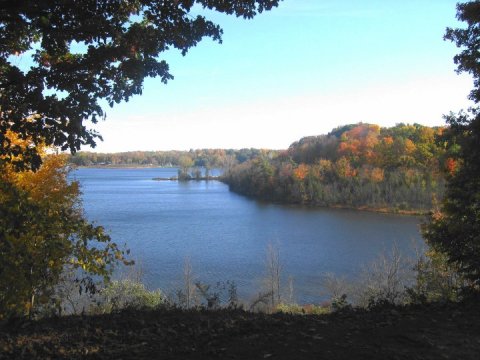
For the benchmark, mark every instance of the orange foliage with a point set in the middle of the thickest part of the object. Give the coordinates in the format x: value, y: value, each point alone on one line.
x: 23, y: 144
x: 409, y: 146
x: 440, y: 131
x: 388, y: 140
x: 377, y: 174
x: 370, y: 155
x: 360, y: 141
x: 46, y: 184
x: 343, y: 147
x: 350, y: 147
x: 301, y: 171
x: 7, y: 171
x: 371, y: 140
x: 451, y: 165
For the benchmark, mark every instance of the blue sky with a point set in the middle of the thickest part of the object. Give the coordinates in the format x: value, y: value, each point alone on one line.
x: 299, y: 70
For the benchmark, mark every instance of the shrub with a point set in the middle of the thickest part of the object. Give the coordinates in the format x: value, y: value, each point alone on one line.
x: 129, y: 294
x: 309, y: 309
x: 436, y: 279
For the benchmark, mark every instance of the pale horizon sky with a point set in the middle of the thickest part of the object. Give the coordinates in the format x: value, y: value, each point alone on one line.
x: 299, y: 70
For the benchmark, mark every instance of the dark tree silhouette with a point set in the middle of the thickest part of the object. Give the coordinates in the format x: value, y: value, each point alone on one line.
x: 455, y: 229
x: 86, y: 51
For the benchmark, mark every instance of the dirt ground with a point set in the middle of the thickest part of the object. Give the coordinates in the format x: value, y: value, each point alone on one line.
x: 448, y: 331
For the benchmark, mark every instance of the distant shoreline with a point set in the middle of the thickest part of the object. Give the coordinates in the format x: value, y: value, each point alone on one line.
x: 126, y: 166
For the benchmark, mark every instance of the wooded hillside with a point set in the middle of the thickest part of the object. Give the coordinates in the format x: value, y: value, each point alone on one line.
x: 401, y: 168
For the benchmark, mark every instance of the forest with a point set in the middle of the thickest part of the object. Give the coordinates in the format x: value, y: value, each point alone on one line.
x: 401, y: 168
x: 208, y: 158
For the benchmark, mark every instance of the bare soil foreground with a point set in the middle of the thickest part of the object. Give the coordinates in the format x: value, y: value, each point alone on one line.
x: 448, y: 331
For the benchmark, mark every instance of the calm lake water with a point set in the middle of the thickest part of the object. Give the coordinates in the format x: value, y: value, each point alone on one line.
x: 226, y: 235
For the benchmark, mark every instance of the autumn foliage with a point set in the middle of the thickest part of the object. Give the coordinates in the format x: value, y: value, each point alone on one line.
x: 359, y: 165
x: 43, y: 233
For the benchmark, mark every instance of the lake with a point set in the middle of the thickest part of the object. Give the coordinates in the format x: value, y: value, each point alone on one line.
x: 226, y: 235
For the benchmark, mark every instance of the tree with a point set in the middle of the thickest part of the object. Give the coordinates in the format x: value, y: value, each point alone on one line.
x: 185, y: 162
x: 273, y: 275
x: 87, y: 51
x: 189, y: 284
x: 42, y: 233
x: 455, y: 229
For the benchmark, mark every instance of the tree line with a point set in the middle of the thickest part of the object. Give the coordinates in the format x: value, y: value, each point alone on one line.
x: 208, y: 158
x: 359, y: 165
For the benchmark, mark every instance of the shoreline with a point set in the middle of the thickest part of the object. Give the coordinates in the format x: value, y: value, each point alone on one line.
x: 383, y: 210
x: 175, y: 178
x: 126, y: 166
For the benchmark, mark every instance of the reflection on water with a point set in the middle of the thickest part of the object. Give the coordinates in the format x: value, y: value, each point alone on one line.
x: 226, y: 235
